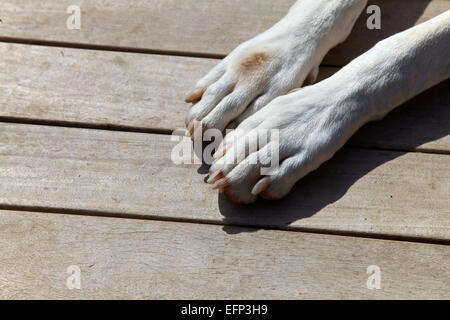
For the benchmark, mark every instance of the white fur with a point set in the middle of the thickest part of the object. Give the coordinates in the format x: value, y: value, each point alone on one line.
x: 295, y: 47
x: 317, y: 120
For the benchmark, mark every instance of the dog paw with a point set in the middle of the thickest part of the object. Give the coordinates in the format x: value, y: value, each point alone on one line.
x: 288, y: 138
x: 248, y: 79
x: 245, y: 82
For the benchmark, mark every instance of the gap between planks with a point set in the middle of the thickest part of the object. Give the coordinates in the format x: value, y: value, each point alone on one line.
x: 134, y: 259
x: 121, y: 128
x: 144, y: 93
x: 118, y: 215
x: 362, y: 192
x: 193, y: 26
x: 98, y: 47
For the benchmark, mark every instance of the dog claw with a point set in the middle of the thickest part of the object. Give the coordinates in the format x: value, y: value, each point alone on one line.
x: 294, y: 90
x: 199, y: 130
x: 221, y: 151
x: 190, y: 128
x: 215, y: 177
x: 194, y: 96
x: 221, y: 184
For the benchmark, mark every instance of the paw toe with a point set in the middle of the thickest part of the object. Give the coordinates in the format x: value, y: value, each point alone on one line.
x: 195, y: 95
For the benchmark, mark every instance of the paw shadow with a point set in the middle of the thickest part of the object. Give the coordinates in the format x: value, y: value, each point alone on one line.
x: 424, y: 120
x: 310, y: 195
x: 396, y: 16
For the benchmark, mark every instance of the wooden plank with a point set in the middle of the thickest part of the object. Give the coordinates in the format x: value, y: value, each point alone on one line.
x: 191, y: 26
x: 98, y: 88
x: 122, y: 259
x: 124, y: 173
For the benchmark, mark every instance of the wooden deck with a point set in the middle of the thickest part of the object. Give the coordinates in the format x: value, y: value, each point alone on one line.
x: 86, y: 177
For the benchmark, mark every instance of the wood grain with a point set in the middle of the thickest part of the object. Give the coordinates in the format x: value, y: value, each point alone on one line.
x: 131, y: 174
x: 146, y: 92
x: 191, y: 26
x: 123, y: 259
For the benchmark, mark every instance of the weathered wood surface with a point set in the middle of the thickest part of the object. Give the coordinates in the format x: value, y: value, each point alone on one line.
x: 193, y: 26
x: 99, y: 88
x: 126, y: 173
x: 122, y: 258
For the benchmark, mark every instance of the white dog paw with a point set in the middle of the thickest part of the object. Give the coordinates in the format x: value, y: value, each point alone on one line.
x: 272, y: 64
x: 302, y: 130
x: 248, y: 79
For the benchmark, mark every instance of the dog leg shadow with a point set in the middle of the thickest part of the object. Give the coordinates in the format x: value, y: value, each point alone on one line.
x: 423, y: 119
